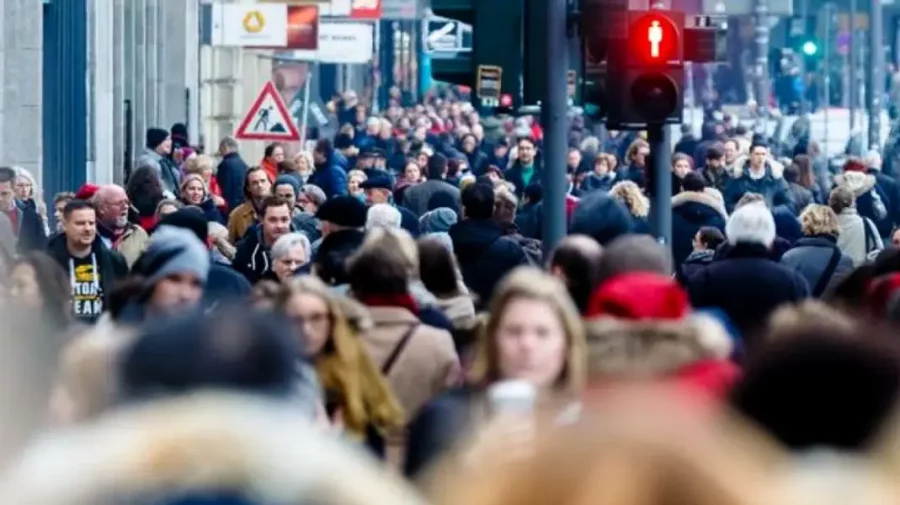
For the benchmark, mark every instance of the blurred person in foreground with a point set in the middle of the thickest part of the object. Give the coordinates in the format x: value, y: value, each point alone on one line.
x: 169, y: 276
x: 534, y: 334
x: 217, y: 422
x: 223, y: 283
x: 38, y: 284
x: 636, y: 446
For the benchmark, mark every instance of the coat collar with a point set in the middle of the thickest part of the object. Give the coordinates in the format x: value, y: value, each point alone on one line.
x: 701, y: 198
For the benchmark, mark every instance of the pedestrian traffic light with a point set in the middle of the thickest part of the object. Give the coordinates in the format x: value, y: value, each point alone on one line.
x: 650, y: 66
x: 602, y: 22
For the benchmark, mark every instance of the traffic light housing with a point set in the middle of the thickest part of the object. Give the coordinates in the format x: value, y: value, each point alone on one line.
x: 646, y: 71
x: 497, y: 32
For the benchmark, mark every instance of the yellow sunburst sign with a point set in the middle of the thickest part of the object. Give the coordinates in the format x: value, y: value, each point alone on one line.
x: 254, y: 22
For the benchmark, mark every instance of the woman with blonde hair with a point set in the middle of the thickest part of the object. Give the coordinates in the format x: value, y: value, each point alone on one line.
x: 634, y: 200
x: 357, y: 395
x: 194, y: 191
x: 304, y: 165
x: 533, y: 334
x: 355, y: 178
x: 817, y: 256
x: 205, y: 166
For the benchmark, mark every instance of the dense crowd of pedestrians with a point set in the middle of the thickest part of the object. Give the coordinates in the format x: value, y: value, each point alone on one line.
x: 382, y: 307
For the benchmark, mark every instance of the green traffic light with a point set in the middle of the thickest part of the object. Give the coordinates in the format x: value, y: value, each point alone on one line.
x: 810, y: 48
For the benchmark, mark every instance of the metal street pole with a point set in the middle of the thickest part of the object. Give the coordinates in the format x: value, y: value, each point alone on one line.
x: 876, y: 76
x: 554, y: 109
x: 804, y: 71
x: 826, y: 56
x: 660, y: 163
x: 761, y: 38
x: 853, y: 90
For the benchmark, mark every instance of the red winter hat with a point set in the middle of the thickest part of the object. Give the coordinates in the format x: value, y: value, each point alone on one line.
x: 638, y: 296
x: 86, y: 191
x: 855, y: 165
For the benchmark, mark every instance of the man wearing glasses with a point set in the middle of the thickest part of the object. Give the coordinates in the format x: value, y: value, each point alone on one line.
x: 129, y: 240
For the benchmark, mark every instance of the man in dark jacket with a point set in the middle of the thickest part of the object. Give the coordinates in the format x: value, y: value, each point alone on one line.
x: 745, y: 283
x: 693, y: 209
x: 526, y: 169
x: 26, y: 223
x: 715, y: 173
x: 91, y: 267
x: 328, y: 176
x: 886, y: 185
x: 759, y: 174
x: 484, y: 251
x: 416, y: 198
x: 253, y: 256
x: 230, y: 173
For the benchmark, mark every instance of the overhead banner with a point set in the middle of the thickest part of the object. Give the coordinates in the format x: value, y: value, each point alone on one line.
x: 342, y: 43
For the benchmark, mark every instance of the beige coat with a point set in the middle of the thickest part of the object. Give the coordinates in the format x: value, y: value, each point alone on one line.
x: 426, y: 367
x: 132, y: 243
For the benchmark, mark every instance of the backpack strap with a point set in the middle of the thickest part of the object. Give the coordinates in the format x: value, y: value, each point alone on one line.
x: 398, y: 349
x: 827, y: 273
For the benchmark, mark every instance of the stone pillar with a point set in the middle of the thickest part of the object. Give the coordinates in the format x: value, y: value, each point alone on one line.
x: 21, y: 86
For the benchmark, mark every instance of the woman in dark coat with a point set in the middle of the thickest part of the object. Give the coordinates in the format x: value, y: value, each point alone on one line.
x: 692, y: 209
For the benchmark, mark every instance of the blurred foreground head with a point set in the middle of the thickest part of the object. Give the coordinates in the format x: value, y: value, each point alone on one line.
x: 209, y: 449
x: 636, y: 448
x: 237, y: 350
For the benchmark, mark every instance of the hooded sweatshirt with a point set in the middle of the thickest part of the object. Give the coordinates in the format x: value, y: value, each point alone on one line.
x: 90, y: 277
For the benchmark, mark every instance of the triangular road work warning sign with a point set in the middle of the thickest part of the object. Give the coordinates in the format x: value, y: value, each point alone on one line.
x: 268, y: 118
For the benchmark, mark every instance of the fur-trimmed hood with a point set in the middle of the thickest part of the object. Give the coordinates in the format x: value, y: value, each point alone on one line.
x: 199, y: 444
x: 619, y: 347
x: 774, y: 166
x: 857, y: 182
x: 701, y: 198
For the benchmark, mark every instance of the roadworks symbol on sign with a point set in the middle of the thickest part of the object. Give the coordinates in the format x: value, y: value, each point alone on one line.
x: 268, y: 118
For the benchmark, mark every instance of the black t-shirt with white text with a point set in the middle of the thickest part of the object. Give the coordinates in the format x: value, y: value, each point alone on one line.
x: 87, y: 291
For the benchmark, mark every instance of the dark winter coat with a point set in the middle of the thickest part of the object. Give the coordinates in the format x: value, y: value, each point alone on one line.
x: 747, y: 285
x: 771, y: 186
x: 230, y: 174
x: 485, y: 255
x: 692, y: 210
x: 811, y: 256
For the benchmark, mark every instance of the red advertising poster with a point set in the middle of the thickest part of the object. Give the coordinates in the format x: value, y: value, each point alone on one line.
x: 303, y: 27
x: 365, y: 9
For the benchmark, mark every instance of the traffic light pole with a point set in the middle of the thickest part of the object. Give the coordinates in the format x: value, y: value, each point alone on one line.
x: 660, y: 164
x: 554, y: 111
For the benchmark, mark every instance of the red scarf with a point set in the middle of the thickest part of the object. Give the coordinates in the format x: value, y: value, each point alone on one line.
x: 404, y: 301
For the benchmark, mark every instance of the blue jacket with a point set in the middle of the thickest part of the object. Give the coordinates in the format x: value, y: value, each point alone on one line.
x: 330, y: 177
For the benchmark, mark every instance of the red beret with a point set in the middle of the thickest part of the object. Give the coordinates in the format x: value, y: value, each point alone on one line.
x: 86, y: 191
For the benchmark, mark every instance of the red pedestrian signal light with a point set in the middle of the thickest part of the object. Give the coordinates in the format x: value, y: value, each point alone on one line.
x: 654, y: 38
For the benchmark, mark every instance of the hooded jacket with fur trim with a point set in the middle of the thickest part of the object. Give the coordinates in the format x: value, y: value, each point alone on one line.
x: 246, y: 449
x: 692, y: 210
x: 771, y: 185
x: 693, y: 350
